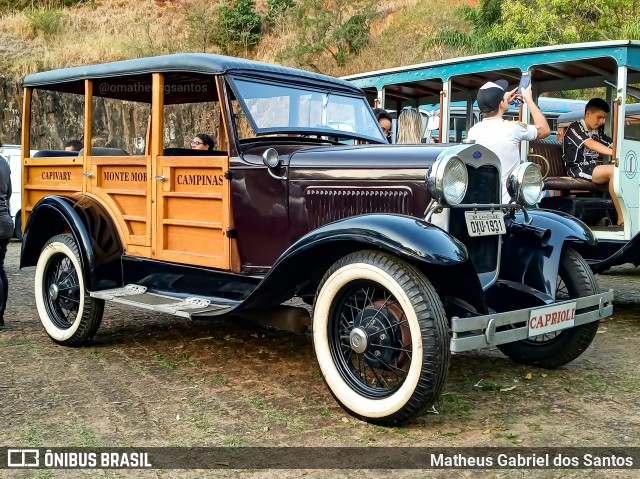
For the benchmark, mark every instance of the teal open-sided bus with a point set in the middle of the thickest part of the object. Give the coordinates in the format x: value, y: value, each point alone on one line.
x: 607, y: 69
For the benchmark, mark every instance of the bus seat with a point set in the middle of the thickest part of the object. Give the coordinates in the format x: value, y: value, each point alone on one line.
x: 54, y: 153
x: 105, y: 152
x: 548, y: 155
x: 191, y: 152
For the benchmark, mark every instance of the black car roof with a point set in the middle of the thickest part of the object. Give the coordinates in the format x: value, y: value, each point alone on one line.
x: 182, y: 69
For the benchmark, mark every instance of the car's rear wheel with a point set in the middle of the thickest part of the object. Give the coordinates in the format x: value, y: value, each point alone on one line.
x: 552, y: 350
x: 69, y: 315
x: 381, y: 337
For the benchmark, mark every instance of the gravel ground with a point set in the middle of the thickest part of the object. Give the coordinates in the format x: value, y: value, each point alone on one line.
x: 151, y: 379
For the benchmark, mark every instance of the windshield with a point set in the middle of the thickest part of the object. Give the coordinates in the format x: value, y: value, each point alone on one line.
x: 277, y: 108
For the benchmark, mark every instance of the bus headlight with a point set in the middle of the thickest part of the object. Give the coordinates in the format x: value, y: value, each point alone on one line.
x: 447, y: 180
x: 525, y: 184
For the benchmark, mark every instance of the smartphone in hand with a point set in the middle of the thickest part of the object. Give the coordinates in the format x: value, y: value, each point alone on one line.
x: 525, y: 81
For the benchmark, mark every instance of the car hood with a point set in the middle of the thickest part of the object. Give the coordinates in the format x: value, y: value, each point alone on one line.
x: 378, y: 156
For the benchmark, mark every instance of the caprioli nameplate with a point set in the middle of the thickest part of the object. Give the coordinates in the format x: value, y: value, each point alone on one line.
x: 551, y: 318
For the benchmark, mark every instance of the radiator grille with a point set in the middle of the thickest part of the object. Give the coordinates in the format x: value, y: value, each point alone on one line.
x: 327, y: 204
x: 484, y: 187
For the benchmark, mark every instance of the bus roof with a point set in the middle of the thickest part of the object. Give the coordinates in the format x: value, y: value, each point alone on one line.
x: 567, y: 52
x: 580, y: 65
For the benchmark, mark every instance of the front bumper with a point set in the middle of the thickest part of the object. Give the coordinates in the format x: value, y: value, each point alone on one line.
x: 481, y: 331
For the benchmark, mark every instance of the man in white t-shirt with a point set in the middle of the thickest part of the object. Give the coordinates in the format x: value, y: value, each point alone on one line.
x: 501, y: 136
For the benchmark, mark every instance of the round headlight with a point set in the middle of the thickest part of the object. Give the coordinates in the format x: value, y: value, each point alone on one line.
x: 525, y: 184
x: 447, y: 180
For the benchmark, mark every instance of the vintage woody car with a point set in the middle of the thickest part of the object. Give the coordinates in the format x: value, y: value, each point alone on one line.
x: 404, y: 251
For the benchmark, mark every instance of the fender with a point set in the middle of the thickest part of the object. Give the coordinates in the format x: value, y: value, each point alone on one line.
x: 91, y: 228
x: 426, y: 246
x: 535, y: 261
x: 608, y: 253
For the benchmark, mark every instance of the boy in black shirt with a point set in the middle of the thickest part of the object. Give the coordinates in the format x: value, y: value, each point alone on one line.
x: 583, y: 143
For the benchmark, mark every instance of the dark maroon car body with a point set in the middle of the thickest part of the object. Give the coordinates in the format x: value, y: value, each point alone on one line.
x: 382, y: 239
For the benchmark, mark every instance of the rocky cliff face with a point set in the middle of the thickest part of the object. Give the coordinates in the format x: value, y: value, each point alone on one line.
x: 59, y: 117
x: 11, y: 105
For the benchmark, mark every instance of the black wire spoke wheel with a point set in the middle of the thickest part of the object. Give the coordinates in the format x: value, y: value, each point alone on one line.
x: 370, y: 339
x: 67, y: 311
x: 381, y: 337
x: 556, y: 348
x: 63, y: 298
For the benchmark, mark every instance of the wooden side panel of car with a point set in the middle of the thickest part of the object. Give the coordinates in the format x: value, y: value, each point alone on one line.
x: 122, y: 183
x: 169, y: 208
x: 192, y: 201
x: 49, y: 176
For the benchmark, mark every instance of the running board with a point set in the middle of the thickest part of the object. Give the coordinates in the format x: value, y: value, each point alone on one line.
x: 137, y: 296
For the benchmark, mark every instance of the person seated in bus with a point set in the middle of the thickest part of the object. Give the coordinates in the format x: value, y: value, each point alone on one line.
x: 385, y: 121
x: 73, y: 145
x: 501, y: 136
x: 584, y: 141
x: 410, y: 130
x: 202, y: 142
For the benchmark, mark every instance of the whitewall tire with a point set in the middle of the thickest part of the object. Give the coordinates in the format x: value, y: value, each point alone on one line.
x: 67, y: 312
x: 381, y: 337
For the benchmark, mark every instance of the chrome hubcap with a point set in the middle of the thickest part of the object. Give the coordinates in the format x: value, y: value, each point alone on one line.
x: 358, y: 340
x: 54, y: 291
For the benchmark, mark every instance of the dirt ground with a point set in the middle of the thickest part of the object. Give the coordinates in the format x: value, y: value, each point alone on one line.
x: 156, y: 380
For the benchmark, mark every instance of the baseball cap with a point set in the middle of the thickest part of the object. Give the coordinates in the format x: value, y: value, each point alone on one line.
x: 491, y: 94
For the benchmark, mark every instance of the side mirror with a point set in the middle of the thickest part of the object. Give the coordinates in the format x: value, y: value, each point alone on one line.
x: 271, y: 158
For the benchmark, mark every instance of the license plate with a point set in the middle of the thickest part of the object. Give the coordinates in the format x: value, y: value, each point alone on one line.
x: 551, y: 318
x: 484, y: 223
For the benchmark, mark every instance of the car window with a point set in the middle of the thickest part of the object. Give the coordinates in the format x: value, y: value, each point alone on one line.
x: 183, y: 121
x: 49, y: 131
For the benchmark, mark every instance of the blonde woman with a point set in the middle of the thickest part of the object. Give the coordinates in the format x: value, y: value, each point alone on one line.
x: 409, y: 127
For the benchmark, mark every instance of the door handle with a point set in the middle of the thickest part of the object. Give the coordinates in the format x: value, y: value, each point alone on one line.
x: 88, y: 175
x: 160, y: 177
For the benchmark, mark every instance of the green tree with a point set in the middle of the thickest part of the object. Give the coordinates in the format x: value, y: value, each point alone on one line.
x: 337, y: 28
x: 16, y: 5
x: 45, y: 21
x: 277, y: 10
x: 531, y: 23
x: 236, y: 27
x: 200, y: 25
x: 477, y: 38
x: 501, y: 25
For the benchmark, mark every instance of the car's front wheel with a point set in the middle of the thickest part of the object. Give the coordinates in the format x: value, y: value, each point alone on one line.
x: 381, y: 337
x: 558, y: 348
x: 69, y: 315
